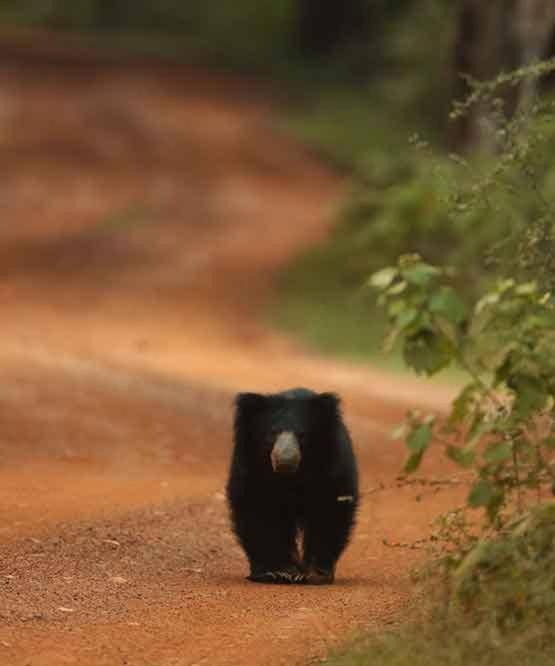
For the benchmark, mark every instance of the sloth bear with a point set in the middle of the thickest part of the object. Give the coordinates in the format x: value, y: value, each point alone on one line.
x: 293, y: 481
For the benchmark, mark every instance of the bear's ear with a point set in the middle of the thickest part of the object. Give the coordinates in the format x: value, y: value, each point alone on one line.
x: 329, y: 403
x: 248, y: 404
x: 247, y: 408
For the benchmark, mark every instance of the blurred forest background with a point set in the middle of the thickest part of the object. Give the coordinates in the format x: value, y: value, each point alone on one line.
x: 356, y: 60
x: 367, y: 85
x: 355, y: 80
x: 404, y: 57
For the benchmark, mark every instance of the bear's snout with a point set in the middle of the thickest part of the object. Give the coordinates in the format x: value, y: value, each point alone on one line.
x: 286, y: 453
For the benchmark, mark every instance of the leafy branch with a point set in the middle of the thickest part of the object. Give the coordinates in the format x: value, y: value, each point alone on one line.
x: 500, y: 425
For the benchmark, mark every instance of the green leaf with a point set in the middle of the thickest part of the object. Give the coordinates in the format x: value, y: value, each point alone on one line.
x: 427, y: 352
x: 504, y: 285
x: 462, y: 457
x: 463, y: 405
x: 413, y: 462
x: 406, y: 317
x: 485, y: 301
x: 526, y: 289
x: 419, y: 438
x: 446, y: 303
x: 481, y: 494
x: 497, y: 453
x: 395, y: 307
x: 449, y: 330
x: 382, y: 279
x: 530, y: 394
x: 397, y: 288
x: 420, y: 274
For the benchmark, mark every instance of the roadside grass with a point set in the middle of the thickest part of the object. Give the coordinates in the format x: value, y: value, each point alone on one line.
x: 439, y: 643
x: 495, y: 607
x: 327, y: 312
x: 341, y: 123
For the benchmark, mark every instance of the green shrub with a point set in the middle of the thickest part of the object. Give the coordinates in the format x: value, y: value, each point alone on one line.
x: 474, y: 217
x: 506, y: 585
x: 500, y: 574
x: 501, y: 425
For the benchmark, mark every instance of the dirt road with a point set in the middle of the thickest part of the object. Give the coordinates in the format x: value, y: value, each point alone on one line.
x: 145, y: 213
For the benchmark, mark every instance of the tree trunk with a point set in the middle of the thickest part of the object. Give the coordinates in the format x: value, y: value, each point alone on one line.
x: 535, y: 30
x: 496, y: 36
x: 326, y: 24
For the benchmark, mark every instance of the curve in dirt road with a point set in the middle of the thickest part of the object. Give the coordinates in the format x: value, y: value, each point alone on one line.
x: 150, y: 211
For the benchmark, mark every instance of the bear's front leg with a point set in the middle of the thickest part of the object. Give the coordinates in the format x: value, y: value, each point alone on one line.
x: 268, y: 537
x: 326, y: 533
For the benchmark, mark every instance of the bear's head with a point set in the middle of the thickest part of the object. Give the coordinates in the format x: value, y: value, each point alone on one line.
x: 284, y: 433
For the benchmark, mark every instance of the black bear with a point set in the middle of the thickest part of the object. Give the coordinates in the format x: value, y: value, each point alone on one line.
x: 293, y: 479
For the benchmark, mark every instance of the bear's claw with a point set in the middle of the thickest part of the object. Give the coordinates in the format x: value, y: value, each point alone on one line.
x: 278, y: 577
x: 319, y: 576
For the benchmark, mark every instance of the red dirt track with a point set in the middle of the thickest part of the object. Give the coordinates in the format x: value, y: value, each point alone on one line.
x: 145, y: 212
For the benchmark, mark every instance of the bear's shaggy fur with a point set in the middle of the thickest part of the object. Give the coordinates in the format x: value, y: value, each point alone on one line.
x: 293, y: 520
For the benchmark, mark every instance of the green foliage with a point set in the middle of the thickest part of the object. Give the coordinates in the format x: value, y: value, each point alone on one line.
x: 501, y: 422
x: 488, y: 217
x: 500, y: 610
x: 419, y: 85
x: 340, y: 122
x: 500, y: 429
x: 403, y: 84
x: 508, y: 584
x: 441, y: 642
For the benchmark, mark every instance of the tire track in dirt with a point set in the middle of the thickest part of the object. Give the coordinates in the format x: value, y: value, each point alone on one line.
x: 150, y: 210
